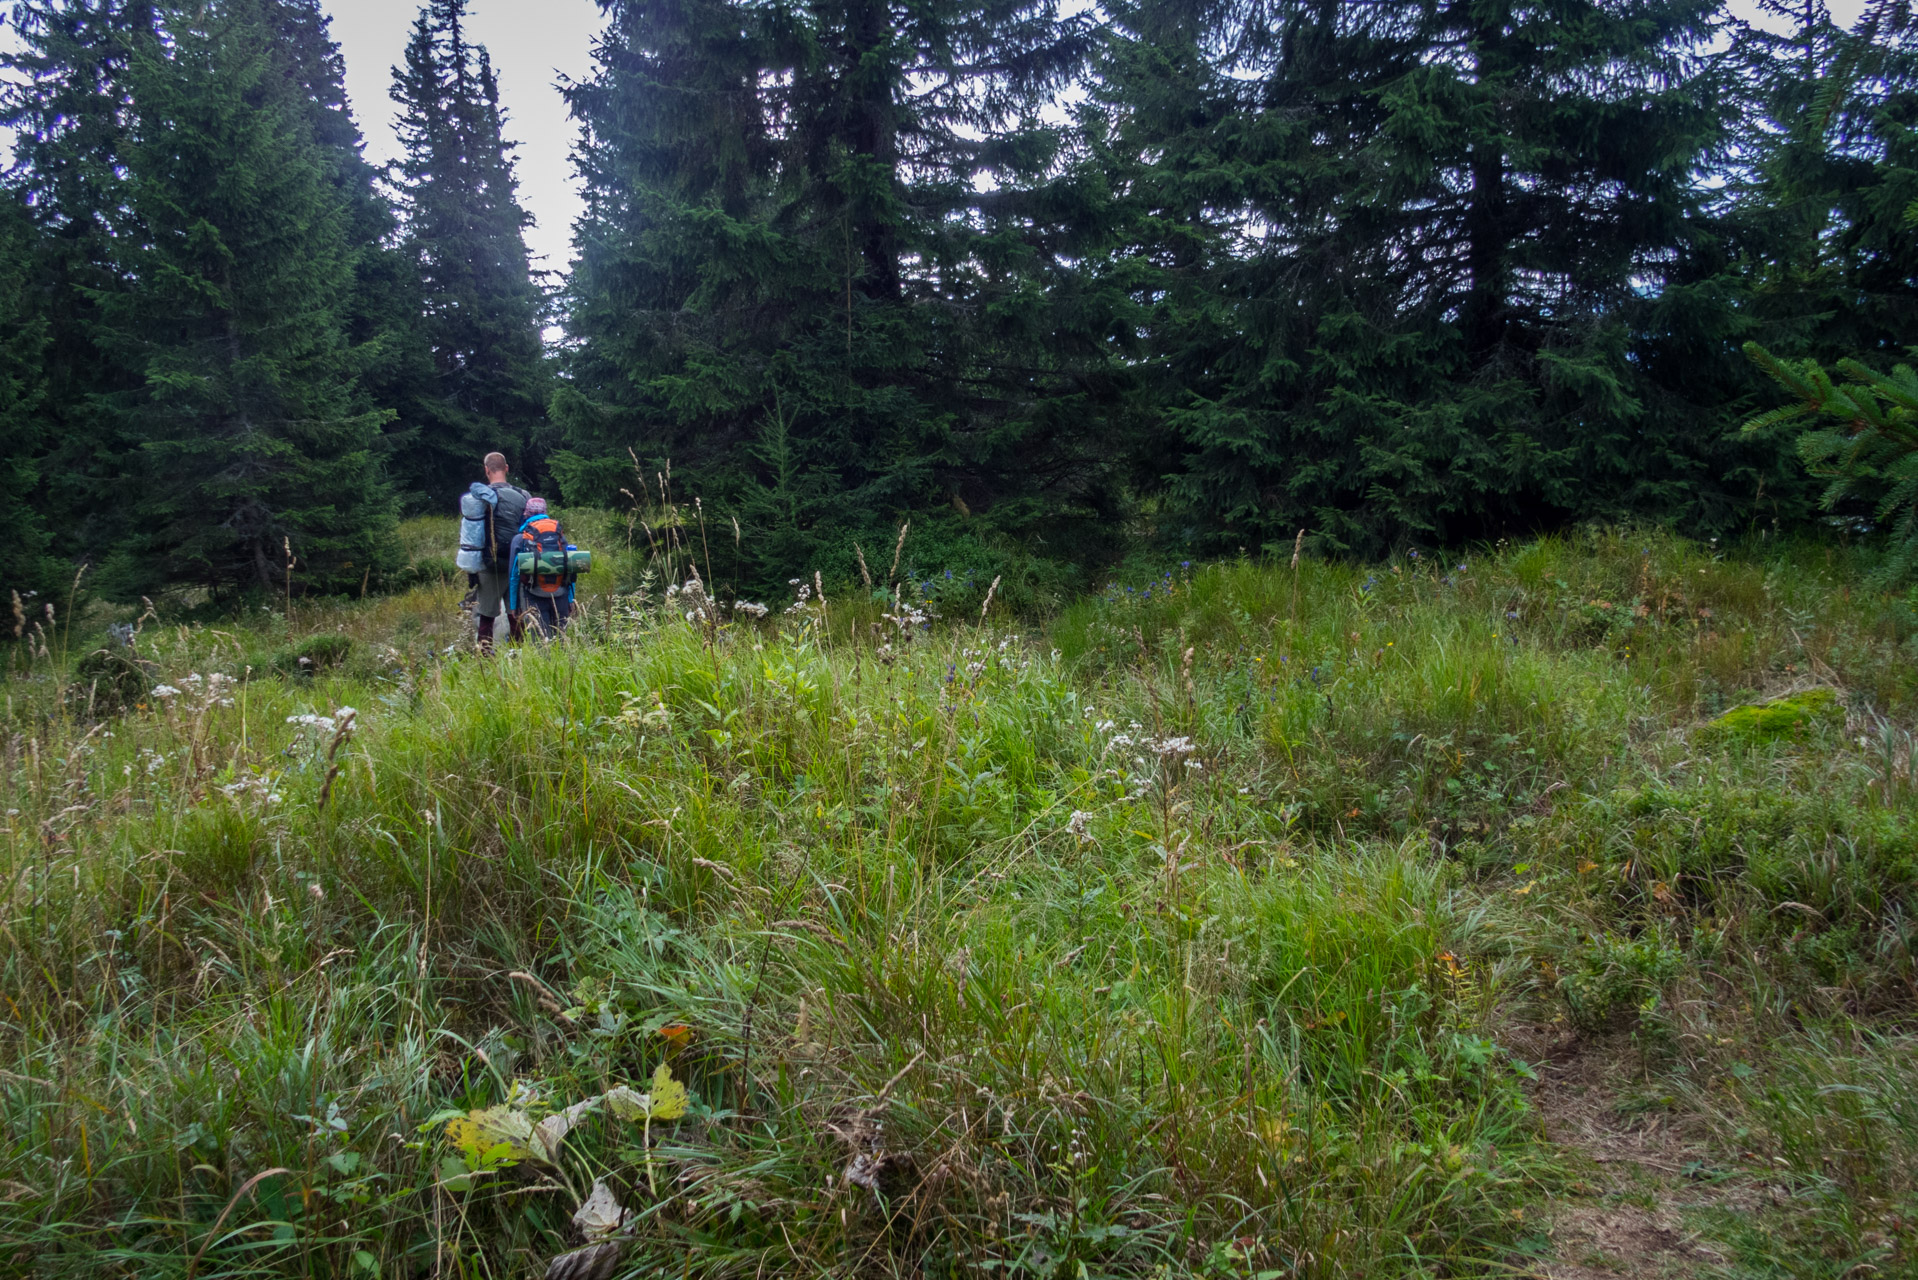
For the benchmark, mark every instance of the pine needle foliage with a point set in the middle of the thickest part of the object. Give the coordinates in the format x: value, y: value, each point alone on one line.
x: 1825, y: 171
x: 1406, y: 261
x: 254, y: 452
x: 480, y: 309
x: 829, y: 251
x: 1863, y: 442
x: 26, y: 563
x: 68, y: 105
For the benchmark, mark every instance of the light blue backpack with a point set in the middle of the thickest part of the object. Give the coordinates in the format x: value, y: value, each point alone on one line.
x: 476, y: 517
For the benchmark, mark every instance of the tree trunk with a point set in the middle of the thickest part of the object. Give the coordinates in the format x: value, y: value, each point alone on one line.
x: 874, y: 134
x: 1486, y: 227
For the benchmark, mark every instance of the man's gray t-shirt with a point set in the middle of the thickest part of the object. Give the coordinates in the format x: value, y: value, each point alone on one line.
x: 496, y: 575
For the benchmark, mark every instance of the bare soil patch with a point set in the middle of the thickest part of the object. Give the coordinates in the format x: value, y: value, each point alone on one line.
x: 1639, y: 1169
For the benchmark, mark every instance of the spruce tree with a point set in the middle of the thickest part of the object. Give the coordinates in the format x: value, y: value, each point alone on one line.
x: 1828, y: 181
x: 383, y: 310
x: 251, y: 442
x: 67, y: 103
x: 27, y: 565
x: 1408, y: 259
x: 827, y: 269
x: 465, y: 236
x: 1827, y: 228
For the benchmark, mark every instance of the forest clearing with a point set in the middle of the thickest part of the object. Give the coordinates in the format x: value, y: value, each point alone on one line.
x: 1250, y: 920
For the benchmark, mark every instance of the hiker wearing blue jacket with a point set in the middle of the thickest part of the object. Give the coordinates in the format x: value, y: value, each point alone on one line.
x: 540, y: 602
x: 491, y: 516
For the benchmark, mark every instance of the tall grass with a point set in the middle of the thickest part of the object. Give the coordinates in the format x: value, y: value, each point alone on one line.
x: 1181, y: 939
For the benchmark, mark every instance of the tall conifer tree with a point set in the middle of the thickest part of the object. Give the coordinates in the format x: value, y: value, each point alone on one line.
x: 27, y: 565
x: 1831, y: 176
x: 69, y: 106
x: 382, y: 312
x: 826, y: 268
x: 1826, y: 210
x: 465, y: 234
x: 1411, y: 256
x: 251, y: 438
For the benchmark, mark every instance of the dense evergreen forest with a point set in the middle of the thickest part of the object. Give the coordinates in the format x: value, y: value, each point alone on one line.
x: 1163, y: 279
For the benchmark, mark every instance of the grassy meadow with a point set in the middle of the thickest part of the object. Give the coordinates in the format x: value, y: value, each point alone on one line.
x: 1248, y: 920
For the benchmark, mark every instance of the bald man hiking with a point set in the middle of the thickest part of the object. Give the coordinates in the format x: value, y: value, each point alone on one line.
x: 492, y: 514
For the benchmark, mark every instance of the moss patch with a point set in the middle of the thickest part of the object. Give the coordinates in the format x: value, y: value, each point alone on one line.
x: 1783, y: 717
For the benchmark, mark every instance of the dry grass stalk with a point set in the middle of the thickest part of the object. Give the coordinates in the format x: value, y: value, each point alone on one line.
x: 342, y: 734
x: 1298, y: 545
x: 892, y: 574
x: 990, y: 592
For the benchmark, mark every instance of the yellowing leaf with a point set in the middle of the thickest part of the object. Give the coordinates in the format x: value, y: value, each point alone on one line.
x: 479, y: 1149
x: 465, y: 1137
x: 504, y: 1124
x: 627, y: 1104
x: 669, y: 1095
x: 492, y: 1138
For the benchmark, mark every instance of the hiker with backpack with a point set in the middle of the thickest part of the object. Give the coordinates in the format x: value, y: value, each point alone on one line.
x: 490, y: 519
x: 545, y: 564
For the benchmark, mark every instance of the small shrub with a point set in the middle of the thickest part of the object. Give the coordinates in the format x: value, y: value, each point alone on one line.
x: 109, y: 678
x: 1612, y: 977
x: 427, y: 571
x: 314, y: 654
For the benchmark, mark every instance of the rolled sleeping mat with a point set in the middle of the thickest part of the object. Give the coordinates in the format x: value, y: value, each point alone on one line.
x: 546, y: 564
x: 568, y: 563
x: 475, y: 514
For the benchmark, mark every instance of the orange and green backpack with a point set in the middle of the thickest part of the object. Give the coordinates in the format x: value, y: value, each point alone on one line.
x: 544, y: 563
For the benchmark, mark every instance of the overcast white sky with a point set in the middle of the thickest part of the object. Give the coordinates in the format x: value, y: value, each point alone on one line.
x: 533, y: 43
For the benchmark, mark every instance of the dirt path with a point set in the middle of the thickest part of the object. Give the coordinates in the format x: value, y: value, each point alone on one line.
x: 1637, y: 1170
